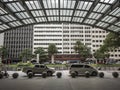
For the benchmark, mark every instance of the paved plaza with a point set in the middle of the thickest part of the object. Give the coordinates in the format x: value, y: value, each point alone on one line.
x: 64, y: 83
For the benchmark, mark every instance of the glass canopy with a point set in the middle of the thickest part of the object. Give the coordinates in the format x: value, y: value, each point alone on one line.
x: 104, y: 14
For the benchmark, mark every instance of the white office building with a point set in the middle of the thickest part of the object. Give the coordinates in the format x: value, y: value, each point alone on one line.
x: 65, y: 36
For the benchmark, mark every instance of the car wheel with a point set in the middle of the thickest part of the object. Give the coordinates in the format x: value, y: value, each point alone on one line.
x: 94, y: 73
x: 49, y: 73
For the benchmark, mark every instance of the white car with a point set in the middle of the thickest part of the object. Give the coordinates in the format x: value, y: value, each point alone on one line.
x: 80, y: 69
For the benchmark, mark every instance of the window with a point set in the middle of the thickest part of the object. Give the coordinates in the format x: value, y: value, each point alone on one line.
x: 77, y: 66
x: 86, y: 66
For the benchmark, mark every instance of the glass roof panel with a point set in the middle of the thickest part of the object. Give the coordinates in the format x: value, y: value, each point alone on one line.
x: 94, y: 15
x: 118, y: 23
x: 102, y: 24
x: 89, y: 21
x: 107, y: 1
x: 109, y: 19
x: 37, y: 13
x: 2, y: 11
x: 116, y: 12
x: 80, y: 13
x: 15, y: 7
x: 75, y: 19
x: 22, y: 15
x: 114, y: 28
x: 3, y: 26
x: 7, y: 18
x: 101, y: 8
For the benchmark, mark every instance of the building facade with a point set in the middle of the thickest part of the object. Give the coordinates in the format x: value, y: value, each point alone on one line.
x: 66, y: 35
x: 63, y: 35
x: 18, y: 40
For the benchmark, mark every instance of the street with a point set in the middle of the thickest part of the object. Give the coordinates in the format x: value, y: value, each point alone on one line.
x: 66, y: 82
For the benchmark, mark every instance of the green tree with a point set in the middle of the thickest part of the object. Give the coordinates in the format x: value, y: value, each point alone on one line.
x: 52, y: 49
x: 82, y: 50
x: 26, y: 54
x: 42, y: 54
x: 3, y: 52
x: 112, y: 41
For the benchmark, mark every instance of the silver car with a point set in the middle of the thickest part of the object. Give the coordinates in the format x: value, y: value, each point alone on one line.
x: 80, y: 69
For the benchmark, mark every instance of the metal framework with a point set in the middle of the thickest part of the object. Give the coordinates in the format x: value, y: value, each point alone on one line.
x: 104, y: 14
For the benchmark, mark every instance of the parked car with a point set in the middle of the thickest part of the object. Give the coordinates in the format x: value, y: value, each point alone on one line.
x: 39, y: 69
x: 80, y: 69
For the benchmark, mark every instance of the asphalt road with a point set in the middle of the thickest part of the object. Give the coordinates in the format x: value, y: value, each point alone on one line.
x: 64, y: 83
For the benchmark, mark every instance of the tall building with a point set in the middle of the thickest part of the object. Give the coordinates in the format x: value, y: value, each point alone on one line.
x: 18, y: 40
x: 65, y: 36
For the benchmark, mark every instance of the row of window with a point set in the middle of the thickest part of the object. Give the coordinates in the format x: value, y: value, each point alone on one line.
x: 98, y: 36
x: 47, y: 43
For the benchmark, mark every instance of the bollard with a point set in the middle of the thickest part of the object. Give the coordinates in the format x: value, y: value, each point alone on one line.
x: 115, y: 74
x: 59, y: 74
x: 15, y: 75
x: 101, y: 74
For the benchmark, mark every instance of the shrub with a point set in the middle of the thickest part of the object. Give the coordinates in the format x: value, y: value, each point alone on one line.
x: 15, y: 75
x: 115, y: 74
x: 101, y: 74
x: 59, y: 74
x: 73, y: 74
x: 30, y: 75
x: 87, y: 74
x: 44, y: 74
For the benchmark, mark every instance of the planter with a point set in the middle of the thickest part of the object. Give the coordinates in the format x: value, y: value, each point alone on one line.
x: 73, y: 74
x: 101, y: 74
x: 59, y: 74
x: 115, y: 74
x: 44, y: 75
x: 1, y: 75
x: 30, y: 75
x: 15, y: 75
x: 87, y: 74
x: 6, y: 74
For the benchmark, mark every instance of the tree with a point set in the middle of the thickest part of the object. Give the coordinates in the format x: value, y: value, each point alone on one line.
x: 26, y: 54
x: 52, y: 49
x: 82, y: 49
x: 42, y: 54
x: 112, y: 41
x: 3, y: 52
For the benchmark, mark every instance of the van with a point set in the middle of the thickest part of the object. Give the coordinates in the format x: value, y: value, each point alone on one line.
x: 80, y: 69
